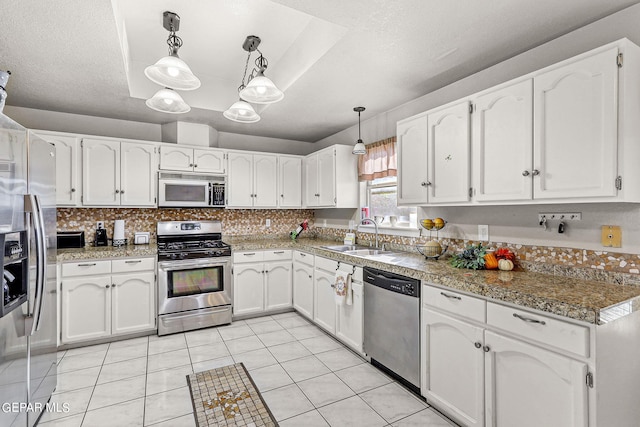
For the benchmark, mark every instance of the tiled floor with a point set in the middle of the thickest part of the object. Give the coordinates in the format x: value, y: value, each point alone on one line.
x: 306, y: 377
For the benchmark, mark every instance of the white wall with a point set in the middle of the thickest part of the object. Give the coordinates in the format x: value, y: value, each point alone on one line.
x: 515, y: 224
x: 261, y: 143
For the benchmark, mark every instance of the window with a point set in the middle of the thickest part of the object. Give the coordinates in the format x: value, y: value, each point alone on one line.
x: 382, y: 199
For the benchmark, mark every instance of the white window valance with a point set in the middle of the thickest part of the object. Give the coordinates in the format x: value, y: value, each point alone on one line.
x: 380, y: 160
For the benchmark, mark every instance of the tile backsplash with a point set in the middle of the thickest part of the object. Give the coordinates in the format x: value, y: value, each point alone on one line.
x: 235, y: 222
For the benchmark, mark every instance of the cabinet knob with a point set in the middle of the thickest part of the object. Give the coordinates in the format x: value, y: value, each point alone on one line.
x: 117, y: 191
x: 190, y: 165
x: 107, y: 286
x: 478, y: 344
x: 73, y: 190
x: 282, y: 195
x: 536, y: 172
x: 425, y: 183
x: 525, y: 173
x: 310, y: 277
x: 486, y: 348
x: 195, y: 165
x: 121, y: 191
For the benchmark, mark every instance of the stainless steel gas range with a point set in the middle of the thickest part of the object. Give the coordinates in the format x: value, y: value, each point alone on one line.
x: 194, y: 276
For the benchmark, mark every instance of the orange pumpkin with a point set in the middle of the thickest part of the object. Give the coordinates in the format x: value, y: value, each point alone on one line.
x: 490, y: 261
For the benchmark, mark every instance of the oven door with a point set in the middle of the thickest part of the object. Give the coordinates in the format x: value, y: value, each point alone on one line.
x: 183, y: 193
x: 194, y: 284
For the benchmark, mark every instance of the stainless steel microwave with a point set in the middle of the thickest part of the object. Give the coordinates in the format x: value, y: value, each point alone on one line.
x: 190, y: 190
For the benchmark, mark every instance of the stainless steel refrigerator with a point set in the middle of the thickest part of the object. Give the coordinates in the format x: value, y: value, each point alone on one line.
x: 28, y: 329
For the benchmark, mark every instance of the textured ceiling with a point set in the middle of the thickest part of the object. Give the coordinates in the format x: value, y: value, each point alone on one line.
x: 66, y: 55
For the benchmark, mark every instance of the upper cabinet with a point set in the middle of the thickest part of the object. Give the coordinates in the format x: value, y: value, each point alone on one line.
x: 252, y: 180
x: 289, y: 181
x: 118, y: 173
x: 328, y: 170
x: 566, y: 133
x: 68, y: 167
x: 205, y: 160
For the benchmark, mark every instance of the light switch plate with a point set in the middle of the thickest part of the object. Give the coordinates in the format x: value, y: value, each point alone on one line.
x: 100, y: 225
x: 611, y: 236
x: 483, y: 233
x: 267, y: 223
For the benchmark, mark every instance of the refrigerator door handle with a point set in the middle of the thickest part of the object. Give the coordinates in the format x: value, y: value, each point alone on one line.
x: 32, y: 205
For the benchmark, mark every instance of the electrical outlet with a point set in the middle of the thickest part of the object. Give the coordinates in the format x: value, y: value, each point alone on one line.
x: 483, y: 233
x: 100, y: 225
x: 267, y: 223
x: 611, y: 236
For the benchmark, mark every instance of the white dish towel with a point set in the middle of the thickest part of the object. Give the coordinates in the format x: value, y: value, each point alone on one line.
x: 342, y: 288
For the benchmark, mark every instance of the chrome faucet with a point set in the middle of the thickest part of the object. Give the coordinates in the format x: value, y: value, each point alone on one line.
x: 375, y: 224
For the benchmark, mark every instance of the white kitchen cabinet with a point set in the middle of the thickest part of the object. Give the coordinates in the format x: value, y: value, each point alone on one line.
x: 349, y: 323
x: 303, y: 288
x: 68, y: 167
x: 576, y: 128
x: 99, y: 301
x: 86, y: 308
x: 180, y: 158
x: 278, y: 285
x: 453, y: 371
x: 449, y: 154
x: 324, y: 303
x: 252, y: 180
x: 331, y: 178
x: 289, y: 181
x: 412, y: 160
x: 118, y: 173
x: 531, y: 387
x: 248, y: 288
x: 132, y: 302
x: 503, y: 143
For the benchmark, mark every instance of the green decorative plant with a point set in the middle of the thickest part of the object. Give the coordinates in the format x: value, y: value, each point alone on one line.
x: 472, y: 257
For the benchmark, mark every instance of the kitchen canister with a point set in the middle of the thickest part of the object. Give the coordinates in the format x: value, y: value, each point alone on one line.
x: 118, y: 233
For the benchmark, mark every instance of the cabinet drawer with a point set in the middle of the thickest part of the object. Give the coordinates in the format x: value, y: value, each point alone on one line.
x: 567, y: 336
x: 85, y: 268
x: 277, y: 255
x: 326, y: 264
x: 303, y: 257
x: 249, y: 256
x: 133, y: 264
x: 454, y: 302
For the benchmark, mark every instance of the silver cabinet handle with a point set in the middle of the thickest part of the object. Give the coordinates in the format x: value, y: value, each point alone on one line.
x: 526, y: 173
x: 278, y: 252
x: 425, y: 183
x: 450, y: 296
x: 486, y: 349
x: 135, y: 261
x: 249, y: 254
x: 528, y: 319
x: 73, y: 190
x: 478, y: 344
x: 87, y: 265
x: 536, y: 172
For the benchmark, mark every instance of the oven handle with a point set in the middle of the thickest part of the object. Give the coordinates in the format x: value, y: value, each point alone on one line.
x: 199, y: 313
x: 183, y: 265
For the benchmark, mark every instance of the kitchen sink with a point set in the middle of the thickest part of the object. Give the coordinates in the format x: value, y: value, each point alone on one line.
x: 344, y: 248
x: 368, y: 252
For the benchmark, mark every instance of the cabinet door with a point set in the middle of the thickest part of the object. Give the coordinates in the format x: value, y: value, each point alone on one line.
x: 176, y: 158
x: 138, y: 168
x: 324, y: 303
x: 303, y: 289
x: 503, y: 143
x: 412, y: 161
x: 289, y: 182
x: 240, y: 183
x: 133, y: 302
x: 575, y: 137
x: 100, y: 172
x: 526, y: 386
x: 449, y: 154
x: 327, y: 178
x: 67, y: 168
x: 278, y: 285
x: 210, y: 161
x: 248, y: 288
x: 350, y: 317
x: 86, y: 308
x: 311, y: 180
x: 453, y: 367
x: 265, y: 180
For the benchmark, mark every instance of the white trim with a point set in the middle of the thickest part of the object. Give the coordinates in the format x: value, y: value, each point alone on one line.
x: 392, y: 231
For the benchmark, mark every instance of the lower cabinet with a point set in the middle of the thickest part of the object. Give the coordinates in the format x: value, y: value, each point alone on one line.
x: 262, y: 282
x: 97, y: 305
x: 349, y: 326
x: 303, y: 287
x: 324, y: 303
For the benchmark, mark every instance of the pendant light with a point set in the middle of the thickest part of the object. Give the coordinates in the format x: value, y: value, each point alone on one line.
x: 259, y: 89
x: 168, y: 100
x: 359, y: 148
x: 241, y: 111
x: 171, y: 71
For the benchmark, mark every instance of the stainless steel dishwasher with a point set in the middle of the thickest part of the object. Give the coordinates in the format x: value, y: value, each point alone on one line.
x: 392, y: 324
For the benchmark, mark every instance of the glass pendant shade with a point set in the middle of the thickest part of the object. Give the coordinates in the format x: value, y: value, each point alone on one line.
x: 172, y: 72
x: 168, y: 101
x: 261, y: 90
x: 241, y: 112
x: 359, y: 148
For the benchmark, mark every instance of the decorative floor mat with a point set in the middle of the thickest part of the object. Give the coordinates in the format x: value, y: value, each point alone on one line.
x: 227, y: 396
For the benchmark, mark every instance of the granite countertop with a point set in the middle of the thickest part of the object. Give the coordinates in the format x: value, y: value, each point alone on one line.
x: 588, y: 301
